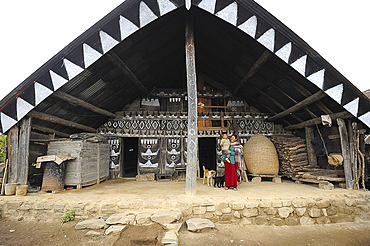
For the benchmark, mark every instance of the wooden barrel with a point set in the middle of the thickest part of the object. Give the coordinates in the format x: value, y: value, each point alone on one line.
x: 260, y: 156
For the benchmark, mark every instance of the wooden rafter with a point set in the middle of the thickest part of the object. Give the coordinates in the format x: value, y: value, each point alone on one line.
x: 263, y: 58
x: 313, y: 98
x: 60, y: 121
x: 82, y: 103
x: 49, y: 130
x: 312, y: 122
x: 114, y: 58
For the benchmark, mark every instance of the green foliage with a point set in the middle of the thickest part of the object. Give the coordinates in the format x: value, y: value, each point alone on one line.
x: 68, y: 217
x: 2, y: 147
x: 97, y: 238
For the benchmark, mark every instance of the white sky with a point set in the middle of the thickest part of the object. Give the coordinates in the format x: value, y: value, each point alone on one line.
x: 34, y: 31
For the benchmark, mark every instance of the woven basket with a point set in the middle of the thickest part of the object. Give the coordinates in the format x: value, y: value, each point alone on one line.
x: 260, y: 156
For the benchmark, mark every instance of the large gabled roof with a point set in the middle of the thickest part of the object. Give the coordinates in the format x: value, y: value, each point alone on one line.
x: 139, y: 46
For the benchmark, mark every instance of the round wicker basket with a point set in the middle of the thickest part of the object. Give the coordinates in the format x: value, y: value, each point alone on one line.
x: 260, y: 156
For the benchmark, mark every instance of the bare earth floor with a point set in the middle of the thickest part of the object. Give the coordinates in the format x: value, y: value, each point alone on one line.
x: 169, y: 195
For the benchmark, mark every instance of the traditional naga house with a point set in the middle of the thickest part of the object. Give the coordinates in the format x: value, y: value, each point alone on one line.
x: 162, y: 79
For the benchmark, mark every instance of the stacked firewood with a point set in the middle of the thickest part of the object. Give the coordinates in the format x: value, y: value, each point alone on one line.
x: 294, y: 163
x: 292, y: 153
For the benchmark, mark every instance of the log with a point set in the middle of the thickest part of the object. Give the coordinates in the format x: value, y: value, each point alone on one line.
x: 82, y: 103
x: 345, y: 153
x: 49, y: 130
x: 310, y: 151
x: 23, y: 152
x: 60, y: 121
x: 342, y: 115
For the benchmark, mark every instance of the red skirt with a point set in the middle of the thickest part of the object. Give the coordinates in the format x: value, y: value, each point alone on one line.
x: 230, y: 175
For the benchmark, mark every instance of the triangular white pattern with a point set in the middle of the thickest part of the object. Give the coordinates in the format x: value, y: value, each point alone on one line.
x: 250, y: 26
x: 41, y: 92
x: 146, y: 15
x: 229, y: 13
x: 284, y: 52
x: 365, y: 118
x: 126, y: 27
x: 352, y: 107
x: 188, y: 4
x: 107, y: 42
x: 208, y: 5
x: 72, y: 69
x: 23, y: 108
x: 165, y: 6
x: 317, y: 78
x: 336, y: 93
x: 57, y: 80
x: 300, y: 65
x: 268, y: 39
x: 90, y: 55
x: 6, y: 122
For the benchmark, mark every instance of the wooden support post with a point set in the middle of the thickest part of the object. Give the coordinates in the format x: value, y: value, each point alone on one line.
x: 24, y: 150
x: 346, y: 153
x: 312, y: 160
x: 192, y: 145
x: 12, y: 139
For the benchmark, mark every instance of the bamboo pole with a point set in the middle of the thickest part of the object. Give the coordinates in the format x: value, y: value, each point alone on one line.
x: 4, y: 177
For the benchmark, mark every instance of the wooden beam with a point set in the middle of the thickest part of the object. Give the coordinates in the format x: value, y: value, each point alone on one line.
x: 192, y: 144
x: 49, y: 130
x: 216, y: 84
x: 82, y: 103
x: 343, y: 115
x: 263, y: 58
x: 345, y: 153
x: 60, y: 121
x: 12, y: 142
x: 315, y: 97
x: 23, y: 150
x: 126, y: 70
x: 312, y: 160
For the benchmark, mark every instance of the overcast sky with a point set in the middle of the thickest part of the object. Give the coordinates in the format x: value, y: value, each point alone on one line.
x: 33, y: 31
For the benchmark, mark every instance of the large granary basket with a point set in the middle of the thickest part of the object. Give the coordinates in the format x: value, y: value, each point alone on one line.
x: 260, y: 156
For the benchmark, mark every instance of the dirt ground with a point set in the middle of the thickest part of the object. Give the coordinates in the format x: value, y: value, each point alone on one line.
x: 42, y: 234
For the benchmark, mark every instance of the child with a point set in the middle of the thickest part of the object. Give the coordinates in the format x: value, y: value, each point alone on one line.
x: 225, y: 144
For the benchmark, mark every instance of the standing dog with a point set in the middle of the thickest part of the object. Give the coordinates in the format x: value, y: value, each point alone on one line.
x: 219, y: 181
x: 209, y: 174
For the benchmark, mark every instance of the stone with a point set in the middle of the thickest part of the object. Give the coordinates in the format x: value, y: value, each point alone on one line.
x: 199, y: 210
x: 331, y: 211
x: 226, y: 217
x: 222, y: 206
x: 237, y: 206
x: 286, y: 203
x: 277, y: 222
x: 92, y: 234
x: 350, y: 202
x: 284, y: 212
x: 361, y: 202
x: 114, y: 229
x: 13, y: 205
x: 211, y: 209
x: 226, y: 210
x: 324, y: 212
x: 250, y: 212
x: 237, y: 215
x: 306, y: 221
x: 166, y: 217
x: 265, y: 204
x: 246, y: 221
x: 91, y: 208
x: 276, y: 179
x: 299, y: 211
x: 77, y: 207
x: 324, y: 203
x: 145, y: 177
x: 270, y: 211
x: 170, y: 237
x: 218, y: 213
x: 197, y: 224
x: 314, y: 212
x: 291, y: 221
x: 209, y: 215
x: 121, y: 218
x: 43, y: 206
x: 277, y: 204
x: 251, y: 204
x: 257, y: 179
x: 323, y: 220
x: 299, y: 203
x: 143, y: 218
x: 59, y: 208
x: 206, y: 204
x: 174, y: 227
x: 108, y: 208
x: 337, y: 202
x: 92, y: 224
x: 328, y: 186
x: 342, y: 185
x: 26, y: 206
x: 341, y: 218
x: 261, y: 220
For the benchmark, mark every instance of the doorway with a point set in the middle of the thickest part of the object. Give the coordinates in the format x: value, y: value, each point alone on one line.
x: 207, y: 154
x: 130, y: 157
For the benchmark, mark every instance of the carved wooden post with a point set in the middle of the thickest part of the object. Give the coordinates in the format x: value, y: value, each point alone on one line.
x: 192, y: 145
x: 346, y: 153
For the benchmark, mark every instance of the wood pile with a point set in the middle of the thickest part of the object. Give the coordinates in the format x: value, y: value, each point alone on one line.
x: 293, y: 162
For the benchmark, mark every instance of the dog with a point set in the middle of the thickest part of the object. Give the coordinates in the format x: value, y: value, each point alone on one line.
x: 209, y: 174
x: 219, y: 181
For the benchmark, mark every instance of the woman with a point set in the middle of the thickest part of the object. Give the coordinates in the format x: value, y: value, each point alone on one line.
x: 238, y: 149
x: 231, y: 179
